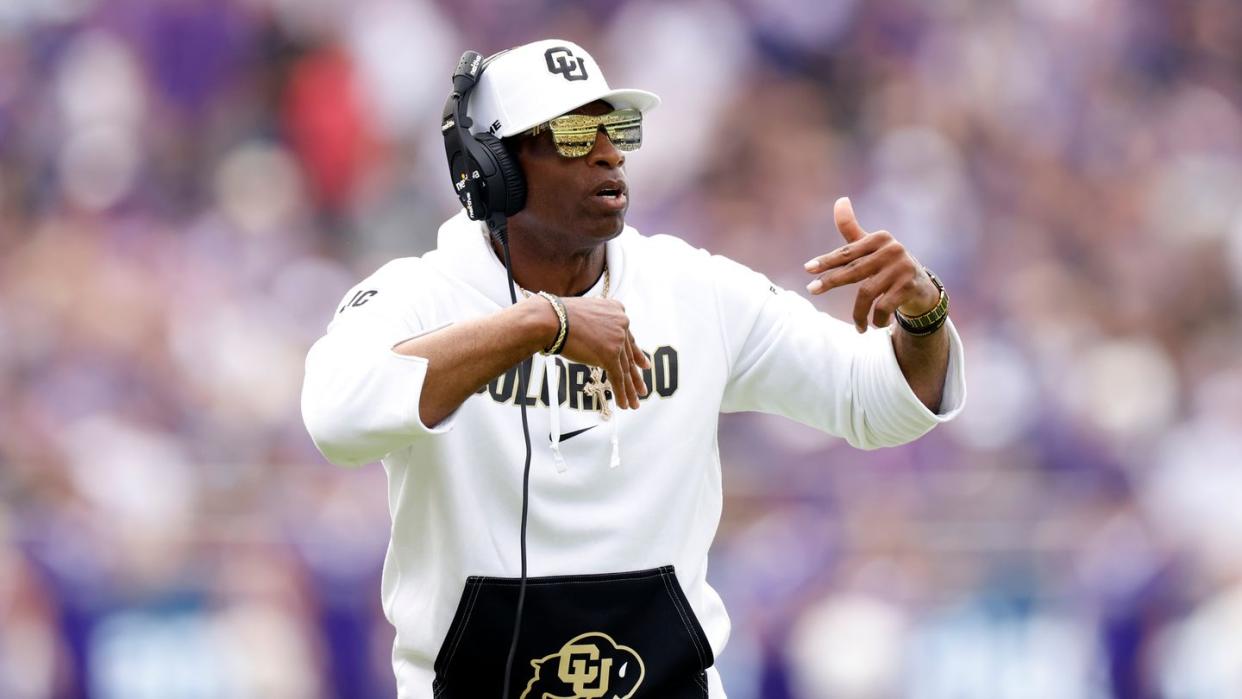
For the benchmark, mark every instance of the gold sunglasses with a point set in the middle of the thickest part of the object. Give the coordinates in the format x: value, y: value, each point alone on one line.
x: 574, y: 134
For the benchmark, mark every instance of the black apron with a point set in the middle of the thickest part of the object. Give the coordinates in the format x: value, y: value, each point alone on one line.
x: 616, y: 635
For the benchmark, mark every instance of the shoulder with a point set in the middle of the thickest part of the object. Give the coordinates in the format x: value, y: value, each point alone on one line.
x: 670, y: 253
x: 401, y: 270
x: 394, y: 288
x: 663, y: 246
x: 670, y: 257
x: 403, y: 274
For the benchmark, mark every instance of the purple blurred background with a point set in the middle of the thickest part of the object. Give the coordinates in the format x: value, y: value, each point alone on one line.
x: 187, y: 187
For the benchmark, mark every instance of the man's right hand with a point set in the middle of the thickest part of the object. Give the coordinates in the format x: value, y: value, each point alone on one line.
x: 599, y: 335
x: 466, y: 355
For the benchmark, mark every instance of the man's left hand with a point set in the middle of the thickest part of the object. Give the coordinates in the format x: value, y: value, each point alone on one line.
x: 891, y: 279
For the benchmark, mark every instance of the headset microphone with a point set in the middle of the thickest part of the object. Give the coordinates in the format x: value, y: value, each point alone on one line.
x: 490, y: 185
x: 467, y: 72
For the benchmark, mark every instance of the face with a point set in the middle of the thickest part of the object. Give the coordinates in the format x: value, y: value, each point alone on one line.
x: 580, y: 200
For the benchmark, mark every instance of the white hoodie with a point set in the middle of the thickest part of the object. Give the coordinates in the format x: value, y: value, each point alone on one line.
x: 724, y: 339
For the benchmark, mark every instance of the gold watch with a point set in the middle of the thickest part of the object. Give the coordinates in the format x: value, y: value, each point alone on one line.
x: 930, y: 321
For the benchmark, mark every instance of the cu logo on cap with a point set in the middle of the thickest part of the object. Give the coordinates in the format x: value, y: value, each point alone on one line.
x: 561, y: 62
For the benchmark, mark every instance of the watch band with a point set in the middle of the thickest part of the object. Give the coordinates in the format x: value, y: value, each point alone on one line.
x: 930, y: 321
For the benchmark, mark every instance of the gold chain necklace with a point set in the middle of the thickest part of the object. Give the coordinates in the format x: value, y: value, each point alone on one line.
x: 604, y: 295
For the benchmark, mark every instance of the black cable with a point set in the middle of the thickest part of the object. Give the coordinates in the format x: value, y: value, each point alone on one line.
x: 502, y: 233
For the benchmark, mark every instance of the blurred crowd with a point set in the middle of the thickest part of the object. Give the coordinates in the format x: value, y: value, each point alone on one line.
x: 187, y: 188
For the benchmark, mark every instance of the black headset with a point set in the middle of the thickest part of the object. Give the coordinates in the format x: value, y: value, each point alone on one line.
x: 487, y: 179
x: 489, y: 183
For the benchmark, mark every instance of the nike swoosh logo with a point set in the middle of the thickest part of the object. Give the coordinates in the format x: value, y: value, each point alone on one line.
x: 575, y: 433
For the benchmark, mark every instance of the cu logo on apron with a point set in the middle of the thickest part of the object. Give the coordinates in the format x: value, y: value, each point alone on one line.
x: 665, y: 653
x: 589, y: 666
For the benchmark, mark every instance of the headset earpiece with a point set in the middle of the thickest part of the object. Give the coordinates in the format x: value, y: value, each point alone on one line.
x: 486, y: 177
x: 509, y: 173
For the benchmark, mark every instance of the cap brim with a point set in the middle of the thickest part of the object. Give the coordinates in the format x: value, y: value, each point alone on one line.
x: 641, y: 100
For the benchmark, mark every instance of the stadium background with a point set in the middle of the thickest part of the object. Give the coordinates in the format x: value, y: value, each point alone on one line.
x: 188, y: 186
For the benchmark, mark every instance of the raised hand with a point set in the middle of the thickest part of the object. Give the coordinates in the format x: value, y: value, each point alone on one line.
x: 599, y: 335
x: 888, y: 276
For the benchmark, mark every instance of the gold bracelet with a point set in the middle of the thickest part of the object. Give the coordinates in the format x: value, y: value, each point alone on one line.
x: 559, y: 343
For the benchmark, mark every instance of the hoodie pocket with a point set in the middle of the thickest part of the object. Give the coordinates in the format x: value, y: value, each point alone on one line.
x: 626, y: 635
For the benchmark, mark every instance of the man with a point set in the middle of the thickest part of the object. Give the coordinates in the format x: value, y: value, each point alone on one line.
x: 427, y: 363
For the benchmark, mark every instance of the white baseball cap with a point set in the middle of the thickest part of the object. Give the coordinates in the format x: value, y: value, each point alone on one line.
x: 530, y: 84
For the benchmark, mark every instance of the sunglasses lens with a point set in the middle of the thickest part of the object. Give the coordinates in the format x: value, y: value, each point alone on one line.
x: 573, y: 146
x: 626, y: 137
x: 574, y: 134
x: 625, y: 128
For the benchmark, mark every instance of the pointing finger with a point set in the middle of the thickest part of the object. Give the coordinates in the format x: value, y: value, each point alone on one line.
x: 634, y: 378
x: 846, y: 253
x: 847, y: 223
x: 617, y: 378
x: 627, y: 365
x: 642, y: 359
x: 855, y: 271
x: 639, y: 363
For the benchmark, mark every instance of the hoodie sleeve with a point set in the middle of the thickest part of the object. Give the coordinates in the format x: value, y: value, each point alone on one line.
x: 791, y: 359
x: 359, y: 397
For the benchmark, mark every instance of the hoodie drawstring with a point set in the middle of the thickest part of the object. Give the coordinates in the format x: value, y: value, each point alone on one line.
x: 615, y: 461
x: 552, y: 377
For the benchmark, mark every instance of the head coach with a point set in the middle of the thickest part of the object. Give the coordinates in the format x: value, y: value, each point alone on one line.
x: 544, y: 387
